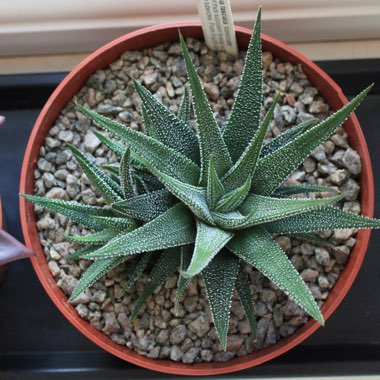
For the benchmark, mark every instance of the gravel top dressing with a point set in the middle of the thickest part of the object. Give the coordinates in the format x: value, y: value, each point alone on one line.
x: 190, y: 336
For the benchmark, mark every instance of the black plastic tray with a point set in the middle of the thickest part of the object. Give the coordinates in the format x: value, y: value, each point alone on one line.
x: 37, y: 342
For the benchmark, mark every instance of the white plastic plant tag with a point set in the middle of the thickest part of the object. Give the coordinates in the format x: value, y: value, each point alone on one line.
x: 217, y: 25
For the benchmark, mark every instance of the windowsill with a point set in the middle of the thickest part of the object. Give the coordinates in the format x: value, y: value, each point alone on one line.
x: 77, y: 26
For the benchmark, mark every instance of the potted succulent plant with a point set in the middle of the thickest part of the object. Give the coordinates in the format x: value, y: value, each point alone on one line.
x: 202, y: 203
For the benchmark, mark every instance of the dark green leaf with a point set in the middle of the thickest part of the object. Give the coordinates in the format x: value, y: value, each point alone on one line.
x: 183, y: 282
x: 138, y: 270
x: 244, y: 291
x: 119, y: 224
x: 166, y: 266
x: 281, y: 163
x: 115, y: 147
x: 210, y: 138
x: 125, y: 175
x: 141, y: 186
x: 215, y: 188
x: 260, y: 209
x: 173, y: 228
x: 75, y: 211
x: 313, y: 238
x: 285, y: 137
x: 185, y: 106
x: 81, y: 251
x: 146, y: 206
x: 168, y: 128
x: 157, y: 154
x: 304, y: 188
x: 229, y: 220
x: 219, y: 277
x: 151, y: 182
x: 209, y: 241
x: 113, y: 169
x: 246, y: 164
x: 149, y: 127
x: 101, y: 237
x: 107, y: 188
x: 193, y: 196
x: 96, y: 271
x: 323, y: 219
x: 256, y: 247
x: 245, y: 115
x: 234, y: 198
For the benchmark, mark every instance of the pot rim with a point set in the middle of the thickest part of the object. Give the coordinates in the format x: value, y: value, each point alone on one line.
x: 149, y: 37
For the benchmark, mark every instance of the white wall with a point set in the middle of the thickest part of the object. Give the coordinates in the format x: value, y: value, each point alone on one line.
x: 33, y: 27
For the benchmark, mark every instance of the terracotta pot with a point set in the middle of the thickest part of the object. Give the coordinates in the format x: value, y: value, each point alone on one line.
x: 150, y: 37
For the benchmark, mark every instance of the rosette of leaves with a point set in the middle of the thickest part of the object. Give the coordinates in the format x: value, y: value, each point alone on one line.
x: 128, y: 182
x: 230, y: 200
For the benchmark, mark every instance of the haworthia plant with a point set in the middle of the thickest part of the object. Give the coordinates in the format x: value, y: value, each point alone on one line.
x: 205, y: 202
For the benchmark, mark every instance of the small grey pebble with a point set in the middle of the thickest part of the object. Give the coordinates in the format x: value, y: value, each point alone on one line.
x: 207, y: 355
x: 322, y: 256
x: 178, y: 334
x: 351, y: 161
x: 176, y: 354
x: 351, y: 189
x: 190, y: 355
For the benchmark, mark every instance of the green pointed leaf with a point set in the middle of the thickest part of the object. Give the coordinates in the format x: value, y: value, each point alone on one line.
x: 107, y: 188
x: 234, y: 198
x: 313, y: 238
x: 229, y: 220
x: 258, y: 209
x: 118, y: 149
x: 193, y: 196
x: 243, y: 288
x: 150, y: 128
x: 185, y: 106
x: 215, y: 188
x: 304, y: 188
x: 115, y: 147
x: 173, y: 228
x: 81, y: 251
x: 183, y: 282
x: 75, y: 211
x: 256, y: 247
x: 95, y: 272
x: 151, y: 182
x: 169, y: 129
x: 166, y: 266
x: 118, y: 224
x: 286, y: 137
x: 323, y: 219
x: 244, y: 118
x: 210, y: 138
x: 146, y: 206
x: 141, y: 187
x: 246, y: 164
x: 209, y: 241
x: 138, y: 270
x: 125, y: 175
x: 281, y: 163
x: 264, y: 209
x: 101, y: 237
x: 113, y: 169
x: 157, y: 154
x: 219, y: 277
